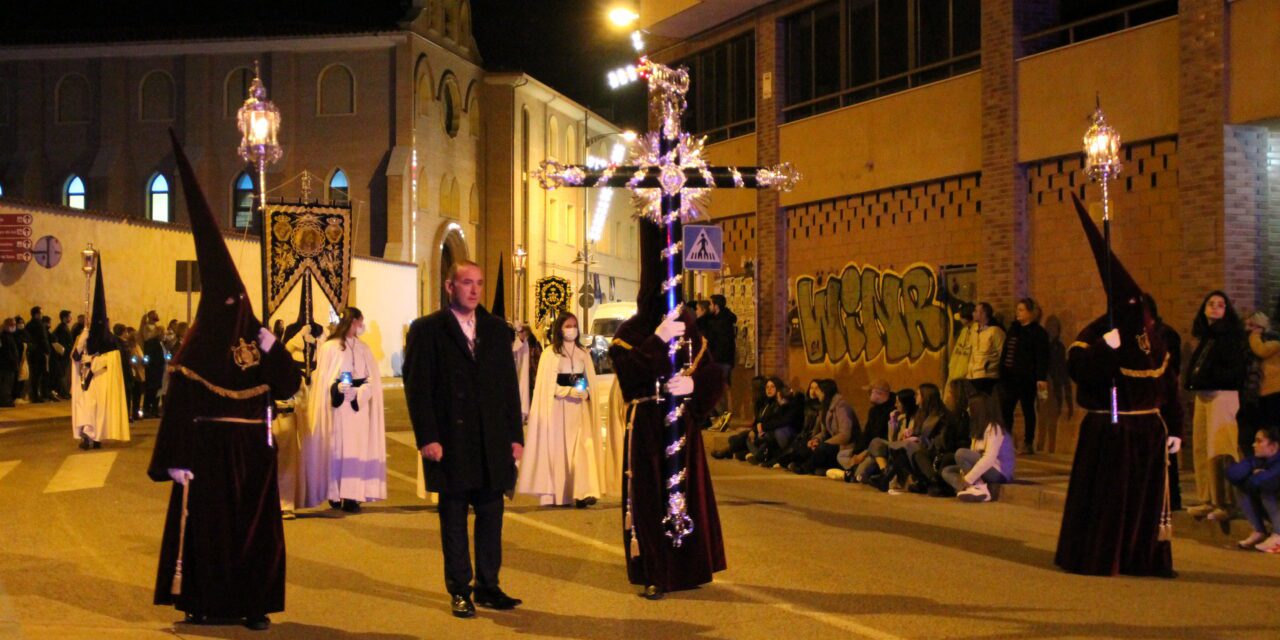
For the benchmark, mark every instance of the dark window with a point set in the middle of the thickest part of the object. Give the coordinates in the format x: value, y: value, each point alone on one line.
x: 842, y: 52
x: 74, y: 100
x: 1078, y: 20
x: 242, y: 202
x: 721, y: 99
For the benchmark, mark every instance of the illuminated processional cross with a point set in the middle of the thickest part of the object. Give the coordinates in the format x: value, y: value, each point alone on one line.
x: 670, y: 179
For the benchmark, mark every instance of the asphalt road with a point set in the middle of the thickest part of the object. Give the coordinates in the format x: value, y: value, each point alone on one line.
x: 808, y: 558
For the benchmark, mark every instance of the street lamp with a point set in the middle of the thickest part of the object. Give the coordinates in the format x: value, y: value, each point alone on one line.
x: 519, y: 260
x: 1102, y: 164
x: 259, y: 124
x: 623, y: 16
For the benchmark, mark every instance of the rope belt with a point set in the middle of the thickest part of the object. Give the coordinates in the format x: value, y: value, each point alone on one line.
x: 628, y: 522
x: 1135, y: 412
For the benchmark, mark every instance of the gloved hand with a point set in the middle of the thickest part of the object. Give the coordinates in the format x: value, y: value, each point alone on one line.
x: 344, y: 387
x: 349, y: 393
x: 181, y: 476
x: 307, y: 337
x: 1112, y: 338
x: 266, y: 339
x: 680, y: 385
x: 581, y: 394
x: 670, y: 329
x: 1174, y: 443
x: 563, y: 392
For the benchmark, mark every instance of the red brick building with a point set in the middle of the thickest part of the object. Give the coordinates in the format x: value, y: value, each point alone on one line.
x: 940, y: 143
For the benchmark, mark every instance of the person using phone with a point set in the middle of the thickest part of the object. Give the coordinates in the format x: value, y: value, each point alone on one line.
x: 563, y: 462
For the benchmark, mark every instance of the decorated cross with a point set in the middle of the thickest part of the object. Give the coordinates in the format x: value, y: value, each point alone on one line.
x: 670, y: 180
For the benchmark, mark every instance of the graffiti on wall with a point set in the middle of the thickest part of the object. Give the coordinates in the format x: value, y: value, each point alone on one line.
x: 864, y: 313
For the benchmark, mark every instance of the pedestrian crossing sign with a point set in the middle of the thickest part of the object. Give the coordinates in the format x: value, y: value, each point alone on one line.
x: 703, y: 247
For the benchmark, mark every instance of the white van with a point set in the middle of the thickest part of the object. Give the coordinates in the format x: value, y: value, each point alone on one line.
x: 604, y: 324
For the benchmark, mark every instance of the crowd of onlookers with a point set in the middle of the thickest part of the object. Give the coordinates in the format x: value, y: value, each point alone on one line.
x: 958, y: 440
x: 37, y: 355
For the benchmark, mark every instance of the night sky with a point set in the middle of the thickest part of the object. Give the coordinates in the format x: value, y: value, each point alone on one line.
x: 567, y: 44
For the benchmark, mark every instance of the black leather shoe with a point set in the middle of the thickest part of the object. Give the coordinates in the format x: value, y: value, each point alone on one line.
x: 463, y: 608
x: 257, y: 623
x: 588, y: 501
x: 652, y: 592
x: 85, y: 442
x: 495, y: 599
x: 335, y: 504
x: 195, y: 618
x: 351, y: 506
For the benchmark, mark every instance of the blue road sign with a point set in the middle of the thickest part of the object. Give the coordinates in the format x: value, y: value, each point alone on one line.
x: 703, y: 247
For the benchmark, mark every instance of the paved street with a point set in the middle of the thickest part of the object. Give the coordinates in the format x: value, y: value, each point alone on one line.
x: 807, y: 558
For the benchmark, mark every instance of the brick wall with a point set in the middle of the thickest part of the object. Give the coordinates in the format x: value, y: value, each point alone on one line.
x: 1002, y: 270
x: 1271, y: 229
x: 771, y: 222
x: 1244, y: 214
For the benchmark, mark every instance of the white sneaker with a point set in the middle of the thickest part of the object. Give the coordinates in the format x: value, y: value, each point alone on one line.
x: 975, y: 493
x: 1270, y: 545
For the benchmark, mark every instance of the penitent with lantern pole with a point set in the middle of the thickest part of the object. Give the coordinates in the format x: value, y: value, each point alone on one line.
x: 88, y: 263
x: 259, y: 124
x: 1102, y: 164
x: 669, y: 178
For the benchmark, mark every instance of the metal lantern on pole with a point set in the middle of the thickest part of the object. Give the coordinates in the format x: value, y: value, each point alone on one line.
x: 88, y: 263
x: 519, y: 260
x: 259, y: 124
x: 1102, y: 164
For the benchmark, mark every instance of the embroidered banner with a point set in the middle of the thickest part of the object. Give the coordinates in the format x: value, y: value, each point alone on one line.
x: 552, y: 296
x: 302, y: 238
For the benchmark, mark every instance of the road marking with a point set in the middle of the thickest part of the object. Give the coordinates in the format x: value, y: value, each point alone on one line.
x: 82, y: 471
x: 7, y: 466
x: 405, y: 438
x: 400, y: 476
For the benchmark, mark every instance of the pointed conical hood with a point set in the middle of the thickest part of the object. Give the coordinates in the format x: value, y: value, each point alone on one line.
x: 1124, y: 296
x: 222, y: 341
x: 499, y: 308
x: 100, y: 339
x: 650, y: 300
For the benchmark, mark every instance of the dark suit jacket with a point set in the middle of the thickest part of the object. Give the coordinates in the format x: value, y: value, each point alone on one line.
x: 470, y: 404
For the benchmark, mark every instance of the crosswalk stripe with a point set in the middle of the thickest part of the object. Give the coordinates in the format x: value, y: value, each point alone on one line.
x: 7, y: 466
x: 405, y: 438
x: 82, y: 471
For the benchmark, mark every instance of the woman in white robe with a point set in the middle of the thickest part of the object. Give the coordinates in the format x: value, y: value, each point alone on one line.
x: 561, y: 462
x: 101, y: 411
x: 345, y: 454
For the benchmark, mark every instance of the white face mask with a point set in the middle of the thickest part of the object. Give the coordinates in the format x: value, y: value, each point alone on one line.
x: 360, y: 330
x: 571, y: 334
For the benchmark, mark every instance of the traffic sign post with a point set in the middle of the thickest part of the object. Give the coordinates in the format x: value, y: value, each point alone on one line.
x: 703, y: 247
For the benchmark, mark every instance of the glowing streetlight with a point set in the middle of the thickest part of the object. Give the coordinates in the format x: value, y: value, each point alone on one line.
x: 623, y: 16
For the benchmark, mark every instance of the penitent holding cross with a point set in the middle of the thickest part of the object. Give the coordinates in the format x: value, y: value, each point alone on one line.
x: 670, y: 179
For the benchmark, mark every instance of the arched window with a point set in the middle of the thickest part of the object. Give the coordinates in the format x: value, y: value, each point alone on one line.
x: 570, y: 144
x: 452, y: 98
x: 473, y: 205
x: 157, y: 97
x: 73, y: 99
x: 339, y: 191
x: 158, y: 199
x: 235, y: 90
x: 422, y: 94
x: 73, y: 192
x: 473, y: 116
x: 337, y: 91
x: 553, y: 139
x: 242, y: 201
